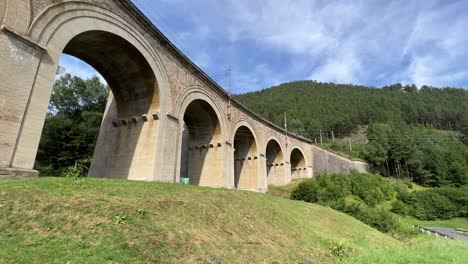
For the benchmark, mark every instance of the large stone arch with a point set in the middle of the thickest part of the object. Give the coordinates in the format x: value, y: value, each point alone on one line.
x: 276, y: 167
x: 246, y: 162
x: 298, y: 162
x: 195, y: 92
x: 91, y: 17
x: 53, y: 31
x: 201, y: 154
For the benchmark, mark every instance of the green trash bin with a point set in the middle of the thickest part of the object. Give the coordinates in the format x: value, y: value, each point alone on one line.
x: 184, y: 180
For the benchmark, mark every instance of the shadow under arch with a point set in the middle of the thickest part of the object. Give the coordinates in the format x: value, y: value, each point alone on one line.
x: 245, y: 159
x: 125, y: 130
x: 127, y: 72
x: 298, y: 164
x: 201, y: 146
x: 274, y: 162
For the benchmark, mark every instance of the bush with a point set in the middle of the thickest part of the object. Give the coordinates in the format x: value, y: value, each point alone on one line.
x: 402, y: 191
x: 408, y: 183
x: 430, y: 205
x: 330, y: 188
x: 399, y: 207
x: 377, y: 218
x: 458, y: 196
x: 439, y: 203
x: 351, y: 194
x: 306, y: 191
x: 372, y: 189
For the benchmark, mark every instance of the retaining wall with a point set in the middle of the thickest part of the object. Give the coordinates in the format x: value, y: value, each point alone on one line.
x: 326, y: 161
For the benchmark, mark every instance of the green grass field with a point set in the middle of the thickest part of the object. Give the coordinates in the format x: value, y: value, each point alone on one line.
x: 421, y: 250
x: 51, y: 220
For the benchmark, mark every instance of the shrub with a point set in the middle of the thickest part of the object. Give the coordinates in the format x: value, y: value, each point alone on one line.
x: 408, y: 183
x: 377, y: 218
x: 430, y: 205
x: 439, y: 203
x: 351, y: 194
x: 402, y: 191
x: 330, y: 188
x: 458, y: 196
x: 399, y: 207
x: 372, y: 189
x: 305, y: 191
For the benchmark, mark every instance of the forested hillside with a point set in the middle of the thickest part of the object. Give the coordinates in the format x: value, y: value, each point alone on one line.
x: 312, y: 106
x: 408, y: 133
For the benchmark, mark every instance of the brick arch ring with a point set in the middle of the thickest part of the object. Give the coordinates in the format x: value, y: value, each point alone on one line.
x: 53, y: 29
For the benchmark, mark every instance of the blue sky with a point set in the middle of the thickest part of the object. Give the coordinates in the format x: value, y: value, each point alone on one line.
x: 268, y: 42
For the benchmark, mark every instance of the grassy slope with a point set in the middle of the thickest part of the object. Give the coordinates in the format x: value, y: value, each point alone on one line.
x: 421, y: 250
x: 48, y: 220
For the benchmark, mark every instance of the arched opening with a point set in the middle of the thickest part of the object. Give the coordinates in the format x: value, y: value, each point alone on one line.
x: 274, y: 163
x: 201, y: 156
x: 127, y: 136
x: 130, y: 77
x: 298, y: 164
x: 245, y: 160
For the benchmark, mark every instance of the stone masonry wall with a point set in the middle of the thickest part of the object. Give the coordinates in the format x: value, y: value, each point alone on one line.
x: 326, y: 161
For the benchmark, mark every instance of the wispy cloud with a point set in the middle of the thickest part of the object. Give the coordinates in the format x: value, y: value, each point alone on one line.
x: 362, y: 42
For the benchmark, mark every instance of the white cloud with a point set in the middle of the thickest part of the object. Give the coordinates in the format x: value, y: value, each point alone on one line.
x: 437, y: 49
x: 342, y: 69
x: 362, y: 42
x: 260, y: 76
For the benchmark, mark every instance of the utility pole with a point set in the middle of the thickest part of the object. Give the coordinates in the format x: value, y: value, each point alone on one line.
x: 286, y: 128
x: 321, y: 139
x: 228, y: 73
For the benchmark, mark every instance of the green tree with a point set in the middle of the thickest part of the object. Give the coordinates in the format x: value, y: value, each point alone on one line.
x: 297, y: 127
x: 72, y: 124
x: 379, y: 143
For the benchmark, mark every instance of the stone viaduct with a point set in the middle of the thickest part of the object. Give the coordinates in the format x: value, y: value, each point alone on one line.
x: 165, y: 118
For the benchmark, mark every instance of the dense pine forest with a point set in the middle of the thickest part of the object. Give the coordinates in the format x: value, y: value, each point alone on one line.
x: 407, y: 132
x: 312, y: 107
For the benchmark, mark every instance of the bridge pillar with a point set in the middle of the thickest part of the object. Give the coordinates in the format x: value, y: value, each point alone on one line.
x: 19, y: 74
x: 229, y: 176
x: 262, y: 173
